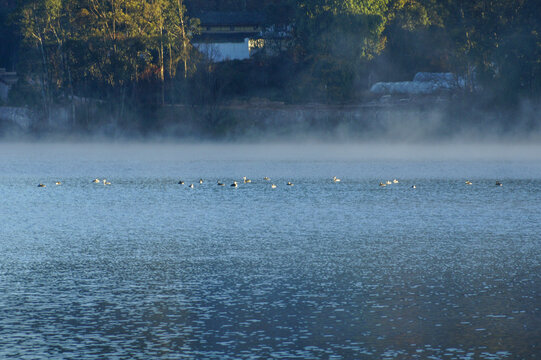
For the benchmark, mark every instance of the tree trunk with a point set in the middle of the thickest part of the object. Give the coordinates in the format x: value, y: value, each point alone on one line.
x: 162, y: 70
x: 123, y: 100
x: 45, y: 83
x: 170, y: 61
x: 72, y: 95
x: 114, y: 27
x: 184, y: 39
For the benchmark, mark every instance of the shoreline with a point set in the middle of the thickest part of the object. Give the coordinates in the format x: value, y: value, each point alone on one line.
x: 393, y: 118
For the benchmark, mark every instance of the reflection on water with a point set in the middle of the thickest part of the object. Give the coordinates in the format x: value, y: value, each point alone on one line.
x: 146, y: 268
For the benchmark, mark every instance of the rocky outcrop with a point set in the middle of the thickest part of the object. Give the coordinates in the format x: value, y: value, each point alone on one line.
x: 7, y: 80
x: 22, y: 117
x: 423, y: 83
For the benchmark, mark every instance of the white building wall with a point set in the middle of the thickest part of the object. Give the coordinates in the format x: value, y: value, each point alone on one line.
x: 225, y: 51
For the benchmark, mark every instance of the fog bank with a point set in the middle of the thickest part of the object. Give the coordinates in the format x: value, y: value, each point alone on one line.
x: 393, y: 120
x: 302, y: 151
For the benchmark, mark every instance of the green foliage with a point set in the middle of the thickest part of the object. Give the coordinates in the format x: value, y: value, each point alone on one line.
x: 356, y: 25
x: 140, y: 51
x: 109, y: 44
x: 22, y: 95
x: 338, y: 38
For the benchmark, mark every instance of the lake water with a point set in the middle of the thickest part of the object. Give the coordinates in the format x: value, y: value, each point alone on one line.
x: 146, y: 268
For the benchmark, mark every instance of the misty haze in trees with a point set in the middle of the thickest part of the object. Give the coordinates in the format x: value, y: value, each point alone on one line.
x: 127, y: 54
x: 105, y: 49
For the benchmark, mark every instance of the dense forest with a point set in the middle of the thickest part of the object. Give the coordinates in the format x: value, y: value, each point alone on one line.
x: 139, y: 54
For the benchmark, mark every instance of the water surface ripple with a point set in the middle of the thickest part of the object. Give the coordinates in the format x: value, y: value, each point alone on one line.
x: 146, y: 268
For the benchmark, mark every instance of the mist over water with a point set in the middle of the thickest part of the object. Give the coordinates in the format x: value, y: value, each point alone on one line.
x: 415, y: 123
x: 364, y: 182
x: 148, y: 268
x: 270, y: 151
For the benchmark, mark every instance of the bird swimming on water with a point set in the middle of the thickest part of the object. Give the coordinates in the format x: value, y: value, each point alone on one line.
x: 498, y: 183
x: 413, y: 187
x: 200, y: 181
x: 41, y: 185
x: 382, y: 184
x: 289, y: 183
x: 246, y: 181
x: 468, y: 182
x: 181, y: 182
x: 96, y: 181
x: 266, y: 178
x: 273, y: 186
x: 234, y: 184
x: 395, y: 181
x: 335, y: 179
x: 220, y: 183
x: 191, y: 186
x: 58, y: 183
x: 388, y: 182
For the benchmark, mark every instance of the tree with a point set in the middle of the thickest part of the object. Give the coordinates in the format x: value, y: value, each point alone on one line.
x: 183, y: 29
x: 495, y: 43
x: 35, y: 27
x: 341, y: 34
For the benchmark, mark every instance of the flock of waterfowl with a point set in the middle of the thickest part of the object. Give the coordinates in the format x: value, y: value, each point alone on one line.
x: 235, y: 183
x: 248, y: 181
x: 95, y: 181
x: 389, y: 182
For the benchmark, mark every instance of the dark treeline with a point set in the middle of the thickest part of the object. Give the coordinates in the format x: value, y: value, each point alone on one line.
x: 133, y: 56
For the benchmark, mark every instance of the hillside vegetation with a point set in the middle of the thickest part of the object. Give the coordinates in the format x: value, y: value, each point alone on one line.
x: 132, y: 56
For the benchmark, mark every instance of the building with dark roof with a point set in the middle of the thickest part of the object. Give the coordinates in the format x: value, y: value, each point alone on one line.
x: 228, y: 35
